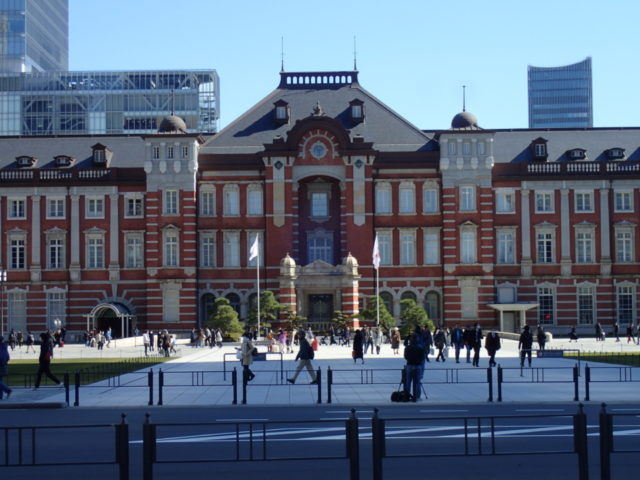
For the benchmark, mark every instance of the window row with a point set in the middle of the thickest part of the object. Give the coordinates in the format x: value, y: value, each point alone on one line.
x: 586, y: 304
x: 406, y: 198
x: 232, y: 251
x: 231, y: 200
x: 55, y: 308
x: 94, y: 207
x: 584, y: 201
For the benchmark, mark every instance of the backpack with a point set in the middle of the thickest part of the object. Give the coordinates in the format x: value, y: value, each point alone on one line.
x: 401, y: 396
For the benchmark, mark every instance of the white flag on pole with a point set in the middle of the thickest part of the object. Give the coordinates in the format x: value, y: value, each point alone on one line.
x: 376, y: 254
x: 253, y: 252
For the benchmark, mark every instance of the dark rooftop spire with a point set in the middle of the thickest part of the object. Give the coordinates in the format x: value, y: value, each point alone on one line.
x: 464, y: 107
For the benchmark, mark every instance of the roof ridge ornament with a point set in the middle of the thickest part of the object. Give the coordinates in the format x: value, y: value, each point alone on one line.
x: 317, y: 110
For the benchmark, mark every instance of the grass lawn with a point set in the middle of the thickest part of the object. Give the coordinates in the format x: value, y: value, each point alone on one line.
x: 629, y: 359
x: 23, y: 372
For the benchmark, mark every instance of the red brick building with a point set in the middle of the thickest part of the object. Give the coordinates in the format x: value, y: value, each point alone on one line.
x: 500, y: 226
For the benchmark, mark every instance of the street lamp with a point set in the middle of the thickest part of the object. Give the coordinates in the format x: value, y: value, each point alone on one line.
x: 3, y: 279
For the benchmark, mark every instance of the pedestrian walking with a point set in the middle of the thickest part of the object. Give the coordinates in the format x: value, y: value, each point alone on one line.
x: 44, y: 360
x: 573, y: 335
x: 30, y: 341
x: 457, y: 341
x: 524, y: 345
x: 440, y: 341
x: 492, y: 345
x: 630, y: 333
x: 358, y: 346
x: 108, y: 336
x: 395, y: 340
x: 616, y: 330
x: 542, y: 337
x: 477, y: 344
x: 146, y: 340
x: 378, y: 337
x: 305, y: 355
x: 246, y: 355
x: 467, y: 339
x: 4, y: 368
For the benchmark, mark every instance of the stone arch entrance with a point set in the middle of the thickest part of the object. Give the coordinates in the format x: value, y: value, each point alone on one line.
x: 111, y: 315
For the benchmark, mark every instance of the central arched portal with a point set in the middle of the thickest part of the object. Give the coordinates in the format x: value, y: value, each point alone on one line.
x: 111, y: 315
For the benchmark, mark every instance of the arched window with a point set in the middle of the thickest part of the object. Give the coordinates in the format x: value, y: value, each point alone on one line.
x: 234, y: 301
x: 432, y: 306
x: 408, y: 295
x: 387, y: 300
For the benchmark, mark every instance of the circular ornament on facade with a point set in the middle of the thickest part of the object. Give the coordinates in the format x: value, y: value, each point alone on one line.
x: 318, y: 150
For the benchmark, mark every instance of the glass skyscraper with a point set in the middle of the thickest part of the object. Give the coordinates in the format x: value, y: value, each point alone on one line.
x: 95, y: 103
x: 34, y: 35
x: 561, y: 97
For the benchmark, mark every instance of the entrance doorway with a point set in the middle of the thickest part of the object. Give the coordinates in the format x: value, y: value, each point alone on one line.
x: 107, y: 318
x: 509, y: 319
x: 320, y: 310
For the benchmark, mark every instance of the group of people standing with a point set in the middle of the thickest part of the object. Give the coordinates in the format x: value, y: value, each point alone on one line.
x: 162, y: 341
x: 206, y: 337
x: 18, y: 339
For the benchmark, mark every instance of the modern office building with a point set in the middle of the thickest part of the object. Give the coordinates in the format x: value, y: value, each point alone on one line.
x: 95, y: 103
x: 503, y: 227
x: 561, y: 97
x: 34, y: 36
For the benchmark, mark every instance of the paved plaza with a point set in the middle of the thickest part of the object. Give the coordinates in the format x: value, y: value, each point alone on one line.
x: 371, y: 383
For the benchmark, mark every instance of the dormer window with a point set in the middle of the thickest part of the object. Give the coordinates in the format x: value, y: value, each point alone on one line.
x: 577, y: 154
x: 356, y: 110
x: 615, y: 153
x: 25, y: 161
x: 281, y: 112
x: 63, y: 160
x: 100, y: 155
x: 539, y: 149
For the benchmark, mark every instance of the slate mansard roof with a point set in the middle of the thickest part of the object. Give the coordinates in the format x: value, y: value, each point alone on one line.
x: 334, y: 92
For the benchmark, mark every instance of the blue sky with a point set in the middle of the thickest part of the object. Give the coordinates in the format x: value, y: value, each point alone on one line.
x: 413, y: 55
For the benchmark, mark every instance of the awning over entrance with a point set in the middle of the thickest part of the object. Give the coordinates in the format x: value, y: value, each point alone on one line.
x: 512, y: 308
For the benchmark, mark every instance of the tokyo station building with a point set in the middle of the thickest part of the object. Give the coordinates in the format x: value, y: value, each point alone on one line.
x: 505, y: 227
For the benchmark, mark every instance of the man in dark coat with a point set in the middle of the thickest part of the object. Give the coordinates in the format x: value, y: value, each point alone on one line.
x: 414, y: 355
x: 305, y: 355
x: 492, y: 344
x: 525, y: 344
x: 457, y: 341
x: 477, y: 344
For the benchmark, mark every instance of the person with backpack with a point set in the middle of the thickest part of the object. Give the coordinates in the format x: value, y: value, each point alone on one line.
x: 30, y: 342
x: 305, y: 355
x: 4, y: 368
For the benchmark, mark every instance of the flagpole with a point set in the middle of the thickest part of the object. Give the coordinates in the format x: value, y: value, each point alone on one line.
x: 258, y: 283
x: 377, y: 298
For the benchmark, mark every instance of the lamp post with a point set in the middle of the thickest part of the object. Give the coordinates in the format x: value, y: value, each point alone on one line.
x: 3, y: 279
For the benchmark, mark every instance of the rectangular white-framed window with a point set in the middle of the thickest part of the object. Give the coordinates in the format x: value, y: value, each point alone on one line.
x: 467, y: 198
x: 544, y: 202
x: 625, y: 304
x: 17, y: 208
x: 624, y: 245
x: 481, y: 147
x: 430, y: 202
x: 231, y: 249
x: 170, y: 151
x: 155, y: 152
x: 468, y: 245
x: 55, y: 207
x: 17, y: 253
x: 584, y: 246
x: 466, y: 148
x: 385, y: 247
x: 17, y: 309
x: 231, y: 200
x: 451, y: 148
x: 207, y: 249
x: 383, y: 198
x: 134, y: 250
x: 95, y: 207
x: 623, y: 201
x: 320, y: 246
x: 505, y: 201
x: 469, y: 302
x: 585, y: 305
x: 546, y: 305
x: 55, y: 252
x: 134, y: 207
x: 506, y: 242
x: 56, y: 303
x: 407, y: 199
x: 95, y: 251
x: 254, y: 200
x: 407, y: 247
x: 431, y: 246
x: 170, y: 202
x: 185, y: 151
x: 319, y: 204
x: 545, y: 246
x: 171, y: 247
x: 208, y: 203
x: 583, y: 202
